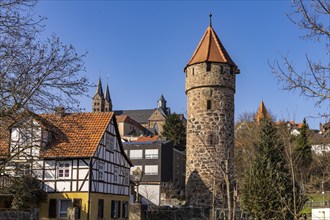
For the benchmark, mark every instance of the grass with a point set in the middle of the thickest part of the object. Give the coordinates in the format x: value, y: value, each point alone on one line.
x: 314, y: 198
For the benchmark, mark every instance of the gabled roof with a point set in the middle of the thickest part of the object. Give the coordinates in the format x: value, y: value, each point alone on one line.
x: 82, y: 133
x: 75, y: 134
x: 128, y: 120
x: 262, y: 112
x: 141, y: 115
x: 210, y: 49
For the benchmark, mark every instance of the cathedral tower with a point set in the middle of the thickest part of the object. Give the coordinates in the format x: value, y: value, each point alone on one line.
x: 107, y: 101
x: 98, y: 99
x: 210, y: 90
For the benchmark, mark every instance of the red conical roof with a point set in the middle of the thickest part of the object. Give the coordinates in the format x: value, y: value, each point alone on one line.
x: 210, y: 49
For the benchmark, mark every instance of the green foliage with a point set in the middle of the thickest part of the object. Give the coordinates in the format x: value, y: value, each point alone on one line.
x: 27, y: 192
x: 303, y: 151
x: 174, y: 129
x: 268, y: 187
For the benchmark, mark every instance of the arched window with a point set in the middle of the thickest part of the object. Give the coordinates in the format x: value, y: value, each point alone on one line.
x: 156, y: 128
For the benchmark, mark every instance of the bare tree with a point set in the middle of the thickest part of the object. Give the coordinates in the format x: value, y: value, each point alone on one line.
x: 36, y: 75
x: 313, y: 82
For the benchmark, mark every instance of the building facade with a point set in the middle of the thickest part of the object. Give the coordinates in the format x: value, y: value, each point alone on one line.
x: 161, y: 165
x: 80, y: 160
x: 210, y: 89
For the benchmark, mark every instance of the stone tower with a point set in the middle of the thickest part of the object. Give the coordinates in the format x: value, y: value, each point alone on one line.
x: 210, y: 90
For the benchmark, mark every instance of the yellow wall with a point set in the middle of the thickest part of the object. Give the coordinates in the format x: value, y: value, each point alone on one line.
x: 94, y: 197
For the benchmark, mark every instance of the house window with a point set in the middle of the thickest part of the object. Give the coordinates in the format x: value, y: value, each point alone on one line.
x: 151, y: 170
x: 52, y: 208
x: 109, y: 142
x: 135, y: 154
x: 125, y: 210
x: 126, y: 177
x: 116, y: 174
x: 156, y: 128
x: 115, y: 209
x: 100, y: 209
x: 208, y: 66
x: 77, y: 204
x: 100, y: 170
x: 151, y: 153
x: 208, y: 104
x: 23, y: 169
x: 63, y: 206
x: 63, y: 170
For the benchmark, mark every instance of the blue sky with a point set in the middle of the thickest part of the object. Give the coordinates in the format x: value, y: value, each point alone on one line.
x: 140, y: 49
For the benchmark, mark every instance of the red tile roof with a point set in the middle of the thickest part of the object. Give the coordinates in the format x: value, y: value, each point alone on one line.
x: 210, y: 49
x: 81, y: 133
x: 147, y: 138
x: 75, y: 134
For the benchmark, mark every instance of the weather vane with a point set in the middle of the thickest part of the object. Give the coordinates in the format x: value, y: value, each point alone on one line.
x: 210, y: 15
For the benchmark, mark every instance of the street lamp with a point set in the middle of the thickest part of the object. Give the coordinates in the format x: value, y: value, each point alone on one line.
x: 137, y: 176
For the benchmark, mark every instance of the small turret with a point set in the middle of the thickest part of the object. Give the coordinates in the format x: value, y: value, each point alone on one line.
x: 161, y: 103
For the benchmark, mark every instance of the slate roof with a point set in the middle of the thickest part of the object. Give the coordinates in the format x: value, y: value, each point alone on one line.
x: 141, y: 115
x: 127, y: 119
x: 210, y: 49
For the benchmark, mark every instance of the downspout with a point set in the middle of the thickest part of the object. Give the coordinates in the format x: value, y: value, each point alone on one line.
x: 89, y: 188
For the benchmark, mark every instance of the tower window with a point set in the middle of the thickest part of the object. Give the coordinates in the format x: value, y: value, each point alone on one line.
x: 208, y: 66
x: 208, y: 104
x: 193, y: 71
x: 221, y: 69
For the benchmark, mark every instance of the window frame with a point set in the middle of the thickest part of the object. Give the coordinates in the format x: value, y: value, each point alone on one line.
x: 63, y: 170
x: 136, y: 157
x: 62, y: 211
x: 150, y: 155
x: 146, y: 172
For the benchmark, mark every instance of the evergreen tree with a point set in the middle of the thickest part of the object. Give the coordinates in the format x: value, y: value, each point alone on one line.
x: 303, y: 151
x: 268, y: 189
x: 174, y: 129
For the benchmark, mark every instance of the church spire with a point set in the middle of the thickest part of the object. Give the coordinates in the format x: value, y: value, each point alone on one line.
x: 262, y: 112
x: 108, y: 103
x: 99, y: 89
x: 98, y: 98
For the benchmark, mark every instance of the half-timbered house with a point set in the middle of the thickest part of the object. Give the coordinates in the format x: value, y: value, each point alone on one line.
x: 79, y: 158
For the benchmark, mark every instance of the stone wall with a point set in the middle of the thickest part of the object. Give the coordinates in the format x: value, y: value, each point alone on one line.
x: 19, y: 215
x: 210, y: 131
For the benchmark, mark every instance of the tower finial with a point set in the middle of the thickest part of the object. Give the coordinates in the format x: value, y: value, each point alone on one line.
x: 210, y: 15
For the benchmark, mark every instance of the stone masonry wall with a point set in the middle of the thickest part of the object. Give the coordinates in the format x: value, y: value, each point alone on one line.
x: 210, y: 131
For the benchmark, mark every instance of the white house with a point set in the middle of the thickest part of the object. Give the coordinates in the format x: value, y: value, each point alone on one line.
x: 79, y: 158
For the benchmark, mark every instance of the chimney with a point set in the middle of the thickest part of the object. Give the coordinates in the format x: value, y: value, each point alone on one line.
x: 60, y: 111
